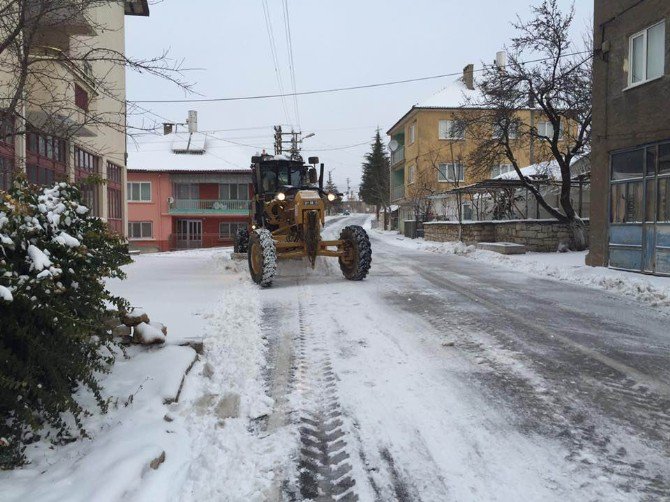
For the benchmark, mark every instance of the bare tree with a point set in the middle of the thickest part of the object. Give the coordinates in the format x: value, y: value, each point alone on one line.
x: 547, y: 77
x: 38, y: 58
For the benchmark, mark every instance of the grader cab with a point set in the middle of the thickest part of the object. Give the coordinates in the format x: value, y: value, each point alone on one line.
x: 287, y: 216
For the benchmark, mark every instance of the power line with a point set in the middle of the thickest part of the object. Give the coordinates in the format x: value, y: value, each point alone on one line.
x: 275, y: 59
x: 336, y: 148
x: 289, y: 45
x: 339, y: 89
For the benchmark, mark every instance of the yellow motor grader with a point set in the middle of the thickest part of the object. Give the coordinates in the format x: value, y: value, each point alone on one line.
x: 287, y: 214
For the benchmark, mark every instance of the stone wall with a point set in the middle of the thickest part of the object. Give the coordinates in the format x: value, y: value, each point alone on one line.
x: 471, y: 233
x: 536, y: 235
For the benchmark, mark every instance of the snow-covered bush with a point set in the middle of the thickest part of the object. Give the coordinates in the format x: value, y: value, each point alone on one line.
x: 54, y: 258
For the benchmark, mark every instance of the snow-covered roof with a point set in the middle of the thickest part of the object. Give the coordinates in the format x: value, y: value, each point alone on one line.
x: 549, y: 169
x: 454, y: 95
x: 183, y: 151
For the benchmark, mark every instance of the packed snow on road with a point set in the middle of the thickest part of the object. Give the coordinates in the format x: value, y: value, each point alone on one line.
x: 446, y: 375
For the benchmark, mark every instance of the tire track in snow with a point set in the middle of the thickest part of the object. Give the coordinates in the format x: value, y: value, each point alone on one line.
x: 325, y: 472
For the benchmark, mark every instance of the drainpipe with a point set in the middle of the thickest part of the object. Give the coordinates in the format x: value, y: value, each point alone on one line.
x: 20, y: 139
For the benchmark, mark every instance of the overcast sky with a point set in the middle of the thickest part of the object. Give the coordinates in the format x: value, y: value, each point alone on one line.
x: 335, y: 44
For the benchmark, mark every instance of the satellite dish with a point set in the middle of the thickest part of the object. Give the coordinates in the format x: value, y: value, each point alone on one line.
x: 393, y: 145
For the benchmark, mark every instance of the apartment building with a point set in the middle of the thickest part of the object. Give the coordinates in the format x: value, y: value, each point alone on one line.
x: 429, y: 151
x: 71, y: 119
x: 185, y: 191
x: 630, y: 206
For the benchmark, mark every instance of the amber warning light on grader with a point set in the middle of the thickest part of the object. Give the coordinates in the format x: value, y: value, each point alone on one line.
x: 287, y: 215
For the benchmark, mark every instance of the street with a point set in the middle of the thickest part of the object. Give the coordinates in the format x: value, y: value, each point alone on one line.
x: 438, y: 378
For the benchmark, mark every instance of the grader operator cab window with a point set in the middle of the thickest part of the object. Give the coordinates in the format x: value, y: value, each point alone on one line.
x: 276, y: 176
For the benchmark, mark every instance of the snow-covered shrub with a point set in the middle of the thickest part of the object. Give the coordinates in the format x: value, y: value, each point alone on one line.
x: 54, y: 258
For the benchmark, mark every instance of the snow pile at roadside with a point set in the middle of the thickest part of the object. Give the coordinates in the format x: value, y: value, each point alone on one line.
x: 115, y: 462
x: 568, y: 267
x: 224, y: 405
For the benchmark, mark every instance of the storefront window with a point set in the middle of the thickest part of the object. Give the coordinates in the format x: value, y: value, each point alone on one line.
x: 664, y: 159
x: 664, y: 200
x: 628, y: 165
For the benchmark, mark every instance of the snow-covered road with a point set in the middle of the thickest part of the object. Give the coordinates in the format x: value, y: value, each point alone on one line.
x: 437, y: 378
x: 440, y: 378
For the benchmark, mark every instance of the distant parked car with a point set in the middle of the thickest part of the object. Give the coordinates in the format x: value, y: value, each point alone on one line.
x: 346, y: 212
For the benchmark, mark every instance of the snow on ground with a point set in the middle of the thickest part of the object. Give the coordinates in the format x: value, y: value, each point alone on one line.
x: 193, y: 441
x: 569, y: 267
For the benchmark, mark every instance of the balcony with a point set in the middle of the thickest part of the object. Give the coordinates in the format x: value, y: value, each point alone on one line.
x: 203, y: 206
x: 397, y: 192
x: 398, y: 155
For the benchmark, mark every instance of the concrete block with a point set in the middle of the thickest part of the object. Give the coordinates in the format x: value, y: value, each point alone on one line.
x: 502, y: 247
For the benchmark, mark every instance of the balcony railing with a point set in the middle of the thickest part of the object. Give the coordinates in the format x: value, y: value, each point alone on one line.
x: 397, y: 192
x: 398, y: 155
x: 203, y: 206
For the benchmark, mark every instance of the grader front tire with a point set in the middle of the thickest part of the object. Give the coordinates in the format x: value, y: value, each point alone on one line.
x: 355, y: 264
x: 262, y: 256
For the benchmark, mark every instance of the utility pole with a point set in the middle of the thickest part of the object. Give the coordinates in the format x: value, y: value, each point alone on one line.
x: 278, y: 140
x: 292, y: 144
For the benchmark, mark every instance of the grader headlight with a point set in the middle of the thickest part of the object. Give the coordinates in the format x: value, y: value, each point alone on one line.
x: 280, y: 196
x: 331, y: 197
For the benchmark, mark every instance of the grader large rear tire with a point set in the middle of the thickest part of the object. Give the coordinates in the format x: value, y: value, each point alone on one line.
x: 262, y: 256
x: 355, y: 264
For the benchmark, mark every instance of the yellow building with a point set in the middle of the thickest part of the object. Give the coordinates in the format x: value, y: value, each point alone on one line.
x: 430, y: 152
x: 70, y: 123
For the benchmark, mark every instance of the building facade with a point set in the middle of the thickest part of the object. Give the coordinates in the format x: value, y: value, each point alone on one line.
x: 630, y: 204
x: 71, y: 123
x: 186, y: 196
x: 429, y: 152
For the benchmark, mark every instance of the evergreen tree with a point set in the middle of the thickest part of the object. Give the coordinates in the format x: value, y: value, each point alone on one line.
x: 376, y: 172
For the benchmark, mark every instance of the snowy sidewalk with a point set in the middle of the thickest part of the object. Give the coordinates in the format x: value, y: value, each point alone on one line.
x: 149, y: 447
x: 568, y: 267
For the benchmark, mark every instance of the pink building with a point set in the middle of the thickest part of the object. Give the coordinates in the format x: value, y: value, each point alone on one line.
x: 185, y: 191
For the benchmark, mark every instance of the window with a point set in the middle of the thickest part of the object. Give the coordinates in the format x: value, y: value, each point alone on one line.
x: 140, y: 229
x: 89, y: 197
x: 6, y: 172
x: 46, y: 146
x: 546, y: 128
x: 498, y: 131
x: 40, y: 175
x: 234, y: 191
x: 186, y: 191
x: 412, y: 133
x: 628, y: 165
x: 114, y: 204
x: 85, y: 162
x: 646, y: 58
x: 6, y: 129
x: 451, y: 129
x: 411, y: 171
x: 139, y: 191
x: 113, y: 173
x: 451, y: 172
x: 80, y: 97
x: 228, y: 230
x: 501, y: 169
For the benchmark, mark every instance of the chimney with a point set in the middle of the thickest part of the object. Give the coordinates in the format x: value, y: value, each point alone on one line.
x: 469, y: 77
